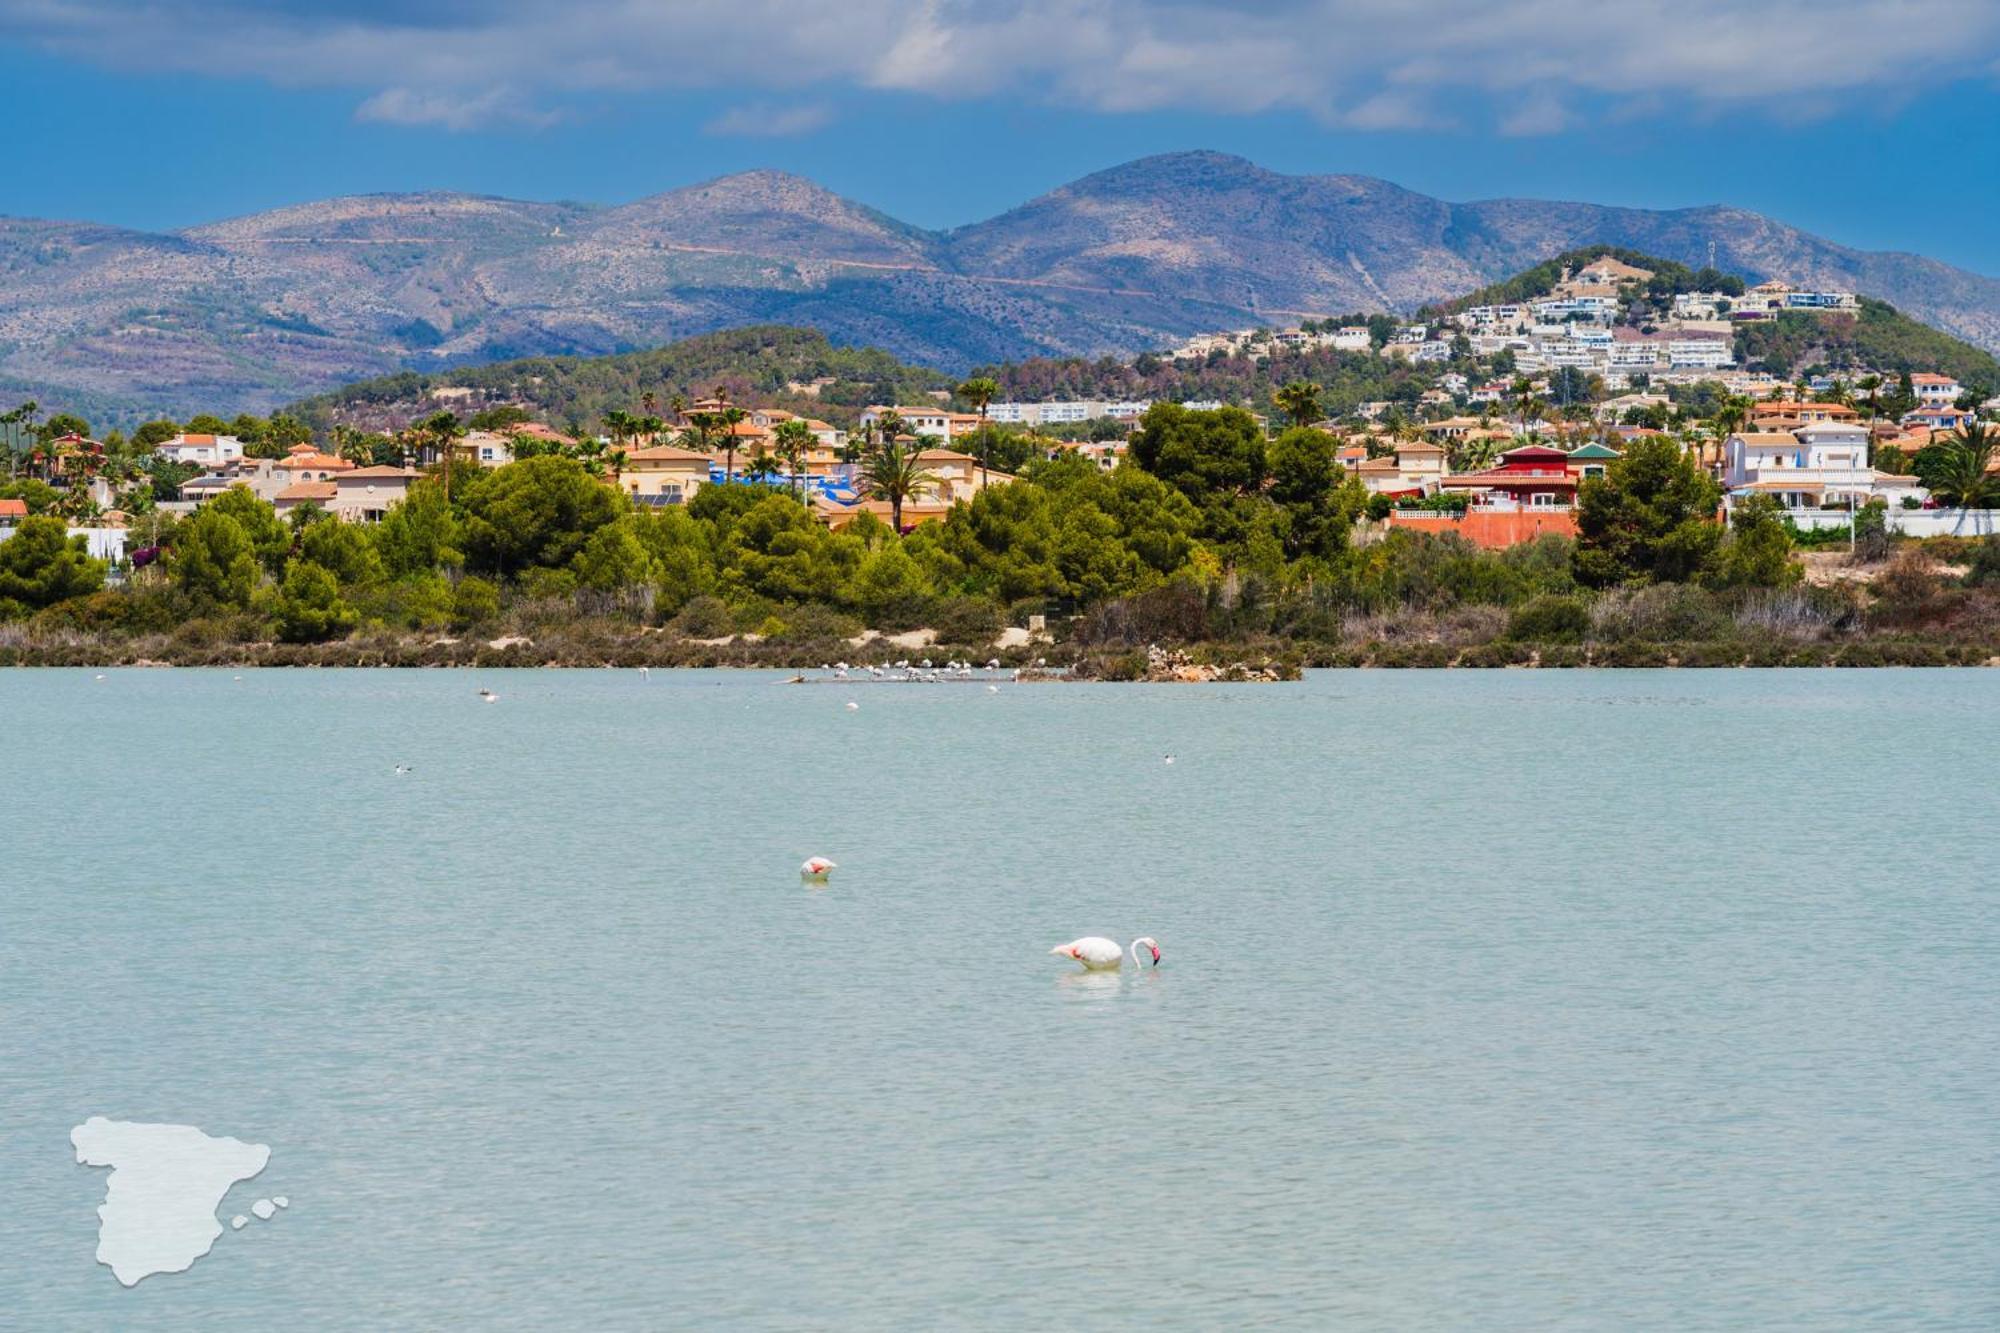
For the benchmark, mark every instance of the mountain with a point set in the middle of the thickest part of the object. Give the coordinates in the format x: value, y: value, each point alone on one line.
x: 255, y: 311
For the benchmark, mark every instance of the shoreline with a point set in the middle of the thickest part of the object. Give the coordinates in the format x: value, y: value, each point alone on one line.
x: 1086, y: 666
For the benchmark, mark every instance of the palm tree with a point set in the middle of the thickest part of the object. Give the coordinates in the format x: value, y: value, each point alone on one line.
x: 1299, y: 400
x: 891, y: 472
x: 981, y: 392
x: 1525, y: 402
x: 727, y: 419
x: 700, y: 432
x: 1473, y: 455
x: 1960, y: 472
x: 791, y: 440
x: 620, y: 426
x: 440, y: 432
x: 1871, y: 385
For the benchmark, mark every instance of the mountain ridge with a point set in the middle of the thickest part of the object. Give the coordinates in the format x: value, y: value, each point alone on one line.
x: 267, y: 307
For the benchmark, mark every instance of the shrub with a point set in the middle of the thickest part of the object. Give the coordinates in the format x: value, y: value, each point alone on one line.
x: 972, y: 620
x: 1663, y: 612
x: 703, y: 618
x: 804, y: 624
x: 474, y: 602
x: 1550, y: 619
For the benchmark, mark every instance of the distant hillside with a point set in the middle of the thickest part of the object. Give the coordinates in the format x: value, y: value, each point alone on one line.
x: 1878, y: 338
x: 253, y: 312
x: 767, y: 365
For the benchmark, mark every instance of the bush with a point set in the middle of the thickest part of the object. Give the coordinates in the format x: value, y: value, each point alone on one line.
x: 1550, y: 619
x: 557, y: 584
x: 972, y: 620
x: 808, y: 624
x: 474, y: 602
x: 703, y: 618
x: 1663, y: 612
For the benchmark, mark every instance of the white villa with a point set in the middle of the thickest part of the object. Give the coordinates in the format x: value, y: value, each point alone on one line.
x: 1816, y: 463
x: 204, y: 450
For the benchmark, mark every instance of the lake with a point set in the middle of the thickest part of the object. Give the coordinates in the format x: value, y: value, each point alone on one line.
x: 1495, y: 1000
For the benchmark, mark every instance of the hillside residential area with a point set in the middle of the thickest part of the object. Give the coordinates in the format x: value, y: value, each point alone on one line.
x: 1498, y: 419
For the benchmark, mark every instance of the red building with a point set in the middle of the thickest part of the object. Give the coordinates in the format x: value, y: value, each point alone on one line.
x: 1536, y: 476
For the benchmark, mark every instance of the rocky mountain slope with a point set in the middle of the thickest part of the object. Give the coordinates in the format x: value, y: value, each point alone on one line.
x: 255, y: 311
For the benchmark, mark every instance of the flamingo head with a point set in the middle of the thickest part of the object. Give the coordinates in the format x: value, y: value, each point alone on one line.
x: 1149, y: 943
x: 1066, y: 951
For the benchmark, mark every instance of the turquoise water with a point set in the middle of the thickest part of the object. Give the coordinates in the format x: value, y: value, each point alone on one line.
x: 1515, y: 1000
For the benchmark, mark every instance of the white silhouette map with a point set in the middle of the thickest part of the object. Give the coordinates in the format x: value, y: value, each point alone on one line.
x: 166, y: 1182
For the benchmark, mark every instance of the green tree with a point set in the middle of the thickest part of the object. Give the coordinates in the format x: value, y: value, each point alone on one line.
x: 1958, y: 468
x: 343, y: 550
x: 153, y: 434
x: 1299, y: 400
x: 1757, y: 553
x: 213, y: 560
x: 891, y: 472
x: 420, y: 534
x: 1305, y: 480
x: 615, y: 557
x: 309, y: 607
x: 980, y: 391
x: 1201, y: 453
x: 793, y: 439
x: 440, y: 433
x: 269, y: 537
x: 537, y: 513
x: 1649, y: 519
x: 41, y: 564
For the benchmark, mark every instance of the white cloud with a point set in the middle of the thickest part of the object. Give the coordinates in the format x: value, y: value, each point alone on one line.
x: 765, y: 120
x: 495, y: 106
x: 1528, y: 66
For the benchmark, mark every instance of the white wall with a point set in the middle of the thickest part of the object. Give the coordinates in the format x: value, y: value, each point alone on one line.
x: 1911, y: 522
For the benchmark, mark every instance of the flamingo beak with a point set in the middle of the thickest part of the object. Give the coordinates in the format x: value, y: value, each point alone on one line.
x: 1063, y: 951
x: 1156, y: 954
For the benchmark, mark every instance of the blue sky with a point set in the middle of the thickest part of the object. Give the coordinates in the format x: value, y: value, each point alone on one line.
x: 1852, y: 118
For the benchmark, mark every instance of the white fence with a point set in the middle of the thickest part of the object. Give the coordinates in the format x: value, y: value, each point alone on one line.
x: 1910, y: 522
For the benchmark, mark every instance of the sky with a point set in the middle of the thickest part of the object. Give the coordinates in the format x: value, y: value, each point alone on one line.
x: 1868, y: 121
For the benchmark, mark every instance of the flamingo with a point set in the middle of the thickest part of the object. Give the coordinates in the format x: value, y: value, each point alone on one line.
x: 1098, y: 954
x: 816, y: 869
x: 853, y: 706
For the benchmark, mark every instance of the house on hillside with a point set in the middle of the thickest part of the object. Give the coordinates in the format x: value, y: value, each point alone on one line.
x: 958, y: 475
x: 1535, y: 476
x: 1935, y: 390
x: 366, y: 494
x: 201, y: 450
x: 663, y: 474
x: 919, y: 421
x: 1783, y: 414
x: 1941, y: 417
x: 1809, y: 466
